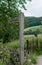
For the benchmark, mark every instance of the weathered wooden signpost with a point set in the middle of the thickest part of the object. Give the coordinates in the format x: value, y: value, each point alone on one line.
x: 20, y: 19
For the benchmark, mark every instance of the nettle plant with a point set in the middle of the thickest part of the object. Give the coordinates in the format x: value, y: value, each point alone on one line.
x: 4, y: 55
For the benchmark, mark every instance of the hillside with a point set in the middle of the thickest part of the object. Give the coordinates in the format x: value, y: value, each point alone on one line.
x: 32, y: 21
x: 33, y: 30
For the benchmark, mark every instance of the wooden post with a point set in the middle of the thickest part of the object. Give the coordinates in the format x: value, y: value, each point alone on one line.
x: 39, y: 46
x: 27, y: 46
x: 21, y: 19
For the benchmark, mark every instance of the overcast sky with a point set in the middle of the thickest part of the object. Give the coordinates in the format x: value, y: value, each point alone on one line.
x: 34, y: 8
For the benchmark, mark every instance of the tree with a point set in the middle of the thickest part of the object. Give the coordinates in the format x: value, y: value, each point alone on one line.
x: 9, y: 9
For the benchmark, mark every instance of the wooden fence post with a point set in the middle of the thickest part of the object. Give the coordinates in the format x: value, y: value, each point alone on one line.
x: 39, y: 46
x: 21, y: 19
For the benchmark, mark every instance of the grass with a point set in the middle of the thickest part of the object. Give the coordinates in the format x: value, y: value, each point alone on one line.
x: 37, y: 29
x: 16, y: 44
x: 13, y: 45
x: 1, y: 62
x: 33, y: 58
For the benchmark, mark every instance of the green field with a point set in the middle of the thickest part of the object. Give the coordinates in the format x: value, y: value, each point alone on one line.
x: 33, y: 30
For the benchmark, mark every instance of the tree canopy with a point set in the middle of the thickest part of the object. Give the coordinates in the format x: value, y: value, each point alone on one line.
x: 10, y: 8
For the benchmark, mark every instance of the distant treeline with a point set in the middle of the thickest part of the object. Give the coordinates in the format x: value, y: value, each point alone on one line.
x: 32, y: 21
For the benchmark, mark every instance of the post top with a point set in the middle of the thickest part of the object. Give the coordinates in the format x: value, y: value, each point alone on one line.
x: 16, y: 19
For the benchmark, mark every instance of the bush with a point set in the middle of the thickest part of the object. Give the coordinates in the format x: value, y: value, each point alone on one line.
x: 6, y: 37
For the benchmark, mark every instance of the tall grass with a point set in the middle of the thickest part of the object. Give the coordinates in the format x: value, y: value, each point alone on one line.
x: 13, y: 45
x: 16, y: 44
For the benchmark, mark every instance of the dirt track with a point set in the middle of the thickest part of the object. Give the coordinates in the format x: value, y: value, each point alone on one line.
x: 39, y: 60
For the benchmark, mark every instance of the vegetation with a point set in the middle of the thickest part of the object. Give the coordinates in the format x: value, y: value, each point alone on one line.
x: 13, y: 45
x: 9, y: 33
x: 32, y: 21
x: 9, y: 9
x: 33, y: 58
x: 16, y: 45
x: 33, y: 30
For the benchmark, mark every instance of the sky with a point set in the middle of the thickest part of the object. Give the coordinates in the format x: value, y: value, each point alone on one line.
x: 34, y: 8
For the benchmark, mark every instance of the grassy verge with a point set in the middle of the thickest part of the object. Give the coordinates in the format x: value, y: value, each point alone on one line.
x: 13, y: 45
x: 33, y: 58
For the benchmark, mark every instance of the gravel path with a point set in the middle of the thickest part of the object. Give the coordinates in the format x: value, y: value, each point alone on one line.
x: 39, y: 60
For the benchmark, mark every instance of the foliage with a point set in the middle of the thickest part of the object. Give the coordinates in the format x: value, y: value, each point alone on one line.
x: 14, y: 58
x: 33, y: 58
x: 4, y: 54
x: 31, y: 38
x: 1, y: 62
x: 13, y: 45
x: 10, y: 31
x: 9, y: 9
x: 32, y: 21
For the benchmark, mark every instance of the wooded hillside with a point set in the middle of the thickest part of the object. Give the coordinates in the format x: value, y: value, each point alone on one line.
x: 32, y: 21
